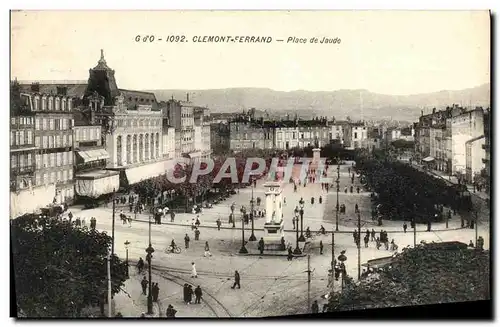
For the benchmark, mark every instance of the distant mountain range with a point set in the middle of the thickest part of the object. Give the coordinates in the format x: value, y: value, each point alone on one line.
x: 341, y: 103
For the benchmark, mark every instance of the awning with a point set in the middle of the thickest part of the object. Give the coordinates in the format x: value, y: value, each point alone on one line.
x: 147, y: 171
x: 428, y: 159
x: 96, y: 183
x: 93, y: 155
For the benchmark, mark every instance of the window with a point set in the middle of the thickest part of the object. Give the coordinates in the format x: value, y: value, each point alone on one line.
x: 21, y: 137
x: 51, y: 141
x: 58, y: 159
x: 45, y: 160
x: 52, y: 159
x: 29, y: 137
x: 45, y: 178
x: 51, y: 124
x: 22, y: 161
x: 58, y: 141
x: 58, y: 176
x: 38, y: 179
x: 44, y: 124
x: 13, y: 120
x: 13, y: 161
x: 53, y: 177
x: 12, y: 138
x: 355, y: 135
x: 29, y: 159
x: 65, y: 175
x: 38, y: 161
x: 70, y: 158
x: 37, y: 124
x: 70, y: 174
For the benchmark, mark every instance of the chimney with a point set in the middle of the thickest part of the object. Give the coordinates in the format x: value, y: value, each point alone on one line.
x: 187, y: 97
x: 35, y: 87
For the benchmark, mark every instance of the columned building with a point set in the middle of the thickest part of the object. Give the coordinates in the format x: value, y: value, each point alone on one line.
x: 131, y: 125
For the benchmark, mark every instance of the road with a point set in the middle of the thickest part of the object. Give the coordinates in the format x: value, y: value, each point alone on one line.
x: 271, y: 285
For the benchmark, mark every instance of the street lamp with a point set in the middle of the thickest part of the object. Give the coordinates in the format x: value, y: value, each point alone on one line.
x: 127, y: 243
x: 338, y: 208
x: 149, y: 256
x: 342, y: 258
x: 296, y: 221
x: 252, y: 237
x: 301, y: 211
x: 243, y: 249
x: 232, y: 215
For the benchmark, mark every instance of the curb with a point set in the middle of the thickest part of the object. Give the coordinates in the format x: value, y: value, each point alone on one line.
x: 293, y: 231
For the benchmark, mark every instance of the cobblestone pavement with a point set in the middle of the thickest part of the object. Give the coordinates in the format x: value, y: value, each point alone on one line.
x: 271, y: 285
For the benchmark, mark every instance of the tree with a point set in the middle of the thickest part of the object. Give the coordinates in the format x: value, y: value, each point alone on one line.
x: 427, y: 274
x: 59, y: 268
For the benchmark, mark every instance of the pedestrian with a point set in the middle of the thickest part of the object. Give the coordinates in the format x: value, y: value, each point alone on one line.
x: 197, y: 223
x: 155, y: 292
x: 320, y: 247
x: 378, y: 243
x: 405, y: 227
x: 356, y: 208
x: 185, y: 292
x: 366, y: 239
x: 352, y: 188
x: 315, y: 307
x: 312, y: 200
x: 193, y: 271
x: 320, y: 199
x: 261, y: 245
x: 171, y: 311
x: 196, y: 234
x: 197, y: 293
x: 186, y: 241
x: 207, y: 250
x: 140, y: 265
x: 172, y: 216
x: 219, y: 223
x: 236, y: 279
x: 190, y: 294
x: 290, y: 254
x: 345, y: 189
x: 357, y: 189
x: 144, y: 285
x: 193, y: 226
x: 471, y: 244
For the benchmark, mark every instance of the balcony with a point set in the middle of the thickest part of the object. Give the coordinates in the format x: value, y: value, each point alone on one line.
x: 27, y: 169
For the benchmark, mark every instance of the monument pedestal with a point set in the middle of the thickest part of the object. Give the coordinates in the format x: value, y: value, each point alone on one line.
x: 274, y: 226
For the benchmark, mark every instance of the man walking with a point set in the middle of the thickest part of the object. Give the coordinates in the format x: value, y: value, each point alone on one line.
x: 196, y: 234
x: 405, y: 227
x: 236, y: 279
x: 186, y: 241
x: 218, y: 223
x: 320, y: 247
x: 261, y: 245
x: 144, y: 285
x: 315, y: 307
x: 207, y: 250
x: 197, y: 293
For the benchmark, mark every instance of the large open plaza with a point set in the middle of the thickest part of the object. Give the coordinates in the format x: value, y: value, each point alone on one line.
x: 270, y: 284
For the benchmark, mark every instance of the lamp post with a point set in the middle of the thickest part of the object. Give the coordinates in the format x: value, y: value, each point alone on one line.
x: 252, y: 237
x: 342, y: 258
x: 296, y: 220
x: 232, y: 215
x: 113, y: 223
x: 149, y: 256
x: 127, y: 243
x: 337, y: 209
x: 243, y: 249
x: 301, y: 212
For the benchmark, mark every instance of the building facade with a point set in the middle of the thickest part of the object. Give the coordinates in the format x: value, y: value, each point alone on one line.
x: 131, y: 124
x: 464, y: 127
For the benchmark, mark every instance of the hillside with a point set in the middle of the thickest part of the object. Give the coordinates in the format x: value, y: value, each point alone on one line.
x: 339, y: 103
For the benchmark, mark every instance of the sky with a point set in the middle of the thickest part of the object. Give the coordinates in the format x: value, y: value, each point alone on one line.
x: 387, y: 52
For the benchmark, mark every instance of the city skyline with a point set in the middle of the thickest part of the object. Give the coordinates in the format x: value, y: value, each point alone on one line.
x: 384, y: 59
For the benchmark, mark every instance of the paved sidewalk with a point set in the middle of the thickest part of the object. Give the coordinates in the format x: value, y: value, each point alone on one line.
x: 130, y: 302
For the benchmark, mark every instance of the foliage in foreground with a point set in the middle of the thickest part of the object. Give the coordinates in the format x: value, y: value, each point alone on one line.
x: 420, y: 276
x: 59, y: 268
